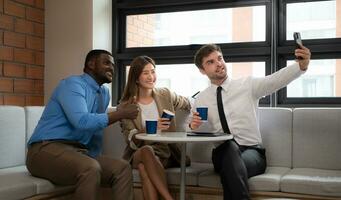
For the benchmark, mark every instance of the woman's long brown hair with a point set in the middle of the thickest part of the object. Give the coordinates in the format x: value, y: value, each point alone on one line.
x: 136, y: 68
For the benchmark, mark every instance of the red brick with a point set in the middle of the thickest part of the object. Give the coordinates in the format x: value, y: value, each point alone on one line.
x: 34, y: 100
x: 6, y: 85
x: 0, y: 69
x: 6, y: 22
x: 35, y: 72
x: 39, y: 86
x: 14, y: 39
x: 24, y: 86
x: 1, y: 6
x: 15, y: 9
x: 1, y: 100
x: 40, y: 4
x: 35, y: 43
x: 35, y: 14
x: 1, y: 37
x: 39, y: 58
x: 23, y: 26
x: 38, y: 29
x: 27, y: 2
x: 17, y: 100
x: 24, y: 56
x: 14, y: 70
x: 6, y: 53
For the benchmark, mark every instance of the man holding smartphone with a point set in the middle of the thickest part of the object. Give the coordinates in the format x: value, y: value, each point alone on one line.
x: 233, y: 106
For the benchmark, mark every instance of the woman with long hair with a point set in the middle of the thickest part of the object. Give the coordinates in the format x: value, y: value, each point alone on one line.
x: 150, y: 158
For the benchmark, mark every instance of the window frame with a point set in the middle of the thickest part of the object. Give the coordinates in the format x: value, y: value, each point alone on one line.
x: 320, y: 49
x: 233, y: 52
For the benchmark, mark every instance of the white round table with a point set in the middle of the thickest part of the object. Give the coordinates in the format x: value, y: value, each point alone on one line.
x: 181, y: 137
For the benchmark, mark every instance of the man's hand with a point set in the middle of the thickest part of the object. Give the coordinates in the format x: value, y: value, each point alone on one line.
x: 304, y: 53
x: 128, y: 110
x: 196, y: 121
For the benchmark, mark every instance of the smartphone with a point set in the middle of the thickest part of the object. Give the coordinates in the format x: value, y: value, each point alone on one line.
x: 298, y: 41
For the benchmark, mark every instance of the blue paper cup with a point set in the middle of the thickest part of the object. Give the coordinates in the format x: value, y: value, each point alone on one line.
x: 167, y: 114
x: 203, y: 111
x: 151, y: 126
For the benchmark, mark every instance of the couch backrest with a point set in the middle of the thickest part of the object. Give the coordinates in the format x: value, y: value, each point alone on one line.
x: 33, y: 114
x: 12, y: 136
x: 275, y: 125
x: 317, y: 138
x: 276, y: 130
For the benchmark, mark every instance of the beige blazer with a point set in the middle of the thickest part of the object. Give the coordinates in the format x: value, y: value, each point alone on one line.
x: 164, y: 99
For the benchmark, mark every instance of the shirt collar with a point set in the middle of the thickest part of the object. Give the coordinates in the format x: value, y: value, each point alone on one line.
x: 224, y: 85
x: 91, y: 81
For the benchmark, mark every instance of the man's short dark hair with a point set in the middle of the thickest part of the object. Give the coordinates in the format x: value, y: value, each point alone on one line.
x: 204, y: 51
x: 94, y: 54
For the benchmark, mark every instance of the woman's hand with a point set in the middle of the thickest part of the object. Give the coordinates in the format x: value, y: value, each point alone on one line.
x: 163, y: 123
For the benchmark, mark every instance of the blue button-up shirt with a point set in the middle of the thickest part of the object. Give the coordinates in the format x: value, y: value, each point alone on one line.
x: 76, y: 111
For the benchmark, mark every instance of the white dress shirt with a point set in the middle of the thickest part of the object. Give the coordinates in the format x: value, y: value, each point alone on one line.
x: 240, y: 100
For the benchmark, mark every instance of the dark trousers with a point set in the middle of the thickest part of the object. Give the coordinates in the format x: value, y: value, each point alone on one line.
x: 235, y: 164
x: 66, y: 163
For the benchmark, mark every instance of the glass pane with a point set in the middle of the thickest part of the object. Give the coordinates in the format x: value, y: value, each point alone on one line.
x: 225, y: 25
x: 186, y: 79
x: 323, y: 79
x: 315, y: 20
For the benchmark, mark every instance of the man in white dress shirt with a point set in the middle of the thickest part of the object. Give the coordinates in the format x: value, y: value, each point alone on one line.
x: 243, y: 157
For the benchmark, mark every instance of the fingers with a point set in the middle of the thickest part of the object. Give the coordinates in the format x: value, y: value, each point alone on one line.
x: 303, y: 52
x: 134, y: 100
x: 163, y: 123
x: 196, y: 120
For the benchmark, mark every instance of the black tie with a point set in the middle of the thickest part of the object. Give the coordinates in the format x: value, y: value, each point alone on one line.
x: 221, y: 111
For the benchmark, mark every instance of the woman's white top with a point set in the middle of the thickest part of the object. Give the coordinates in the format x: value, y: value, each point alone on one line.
x: 148, y: 112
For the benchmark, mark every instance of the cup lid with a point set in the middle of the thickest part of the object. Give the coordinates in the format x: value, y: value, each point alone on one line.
x: 168, y: 112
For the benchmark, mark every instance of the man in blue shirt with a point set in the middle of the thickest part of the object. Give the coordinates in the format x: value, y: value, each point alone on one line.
x: 65, y: 147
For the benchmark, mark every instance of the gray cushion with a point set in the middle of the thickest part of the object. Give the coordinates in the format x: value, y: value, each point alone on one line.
x: 312, y: 181
x: 317, y: 138
x: 192, y: 172
x: 16, y: 184
x: 33, y: 114
x: 209, y: 178
x: 173, y: 174
x: 12, y: 136
x: 276, y: 131
x: 269, y: 181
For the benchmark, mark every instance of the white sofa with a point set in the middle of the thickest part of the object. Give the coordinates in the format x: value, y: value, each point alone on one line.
x: 303, y: 148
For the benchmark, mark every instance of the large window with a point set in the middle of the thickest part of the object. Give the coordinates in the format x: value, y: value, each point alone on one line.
x: 186, y: 80
x: 196, y: 27
x: 320, y: 26
x: 255, y: 37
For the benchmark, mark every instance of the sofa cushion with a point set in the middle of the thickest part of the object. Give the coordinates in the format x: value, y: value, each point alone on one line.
x: 269, y: 181
x: 12, y: 136
x: 276, y: 131
x: 15, y: 183
x: 312, y: 181
x: 33, y: 114
x: 173, y: 174
x: 317, y: 138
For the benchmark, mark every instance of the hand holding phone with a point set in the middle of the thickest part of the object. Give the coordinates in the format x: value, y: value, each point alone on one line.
x: 298, y: 42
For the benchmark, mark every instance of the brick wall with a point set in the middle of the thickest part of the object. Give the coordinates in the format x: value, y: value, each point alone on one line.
x: 140, y: 30
x: 22, y: 52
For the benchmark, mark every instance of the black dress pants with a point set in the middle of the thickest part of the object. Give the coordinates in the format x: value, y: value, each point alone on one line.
x: 235, y: 164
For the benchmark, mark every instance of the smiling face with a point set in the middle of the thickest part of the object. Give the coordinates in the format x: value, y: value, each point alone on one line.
x: 214, y: 67
x: 147, y: 77
x: 102, y: 68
